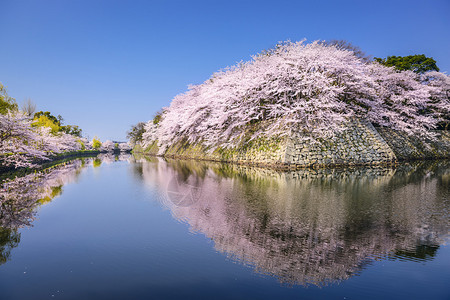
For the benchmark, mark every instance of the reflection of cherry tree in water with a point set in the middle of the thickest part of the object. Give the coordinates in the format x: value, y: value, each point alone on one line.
x: 315, y: 226
x: 108, y: 158
x: 19, y: 198
x: 182, y: 187
x: 183, y: 191
x: 9, y: 239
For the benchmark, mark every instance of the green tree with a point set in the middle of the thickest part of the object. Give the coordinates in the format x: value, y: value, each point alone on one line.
x: 96, y: 144
x: 58, y: 121
x: 44, y: 121
x: 71, y: 129
x: 83, y: 146
x: 48, y: 115
x: 6, y: 102
x: 418, y: 63
x: 136, y: 132
x: 158, y: 116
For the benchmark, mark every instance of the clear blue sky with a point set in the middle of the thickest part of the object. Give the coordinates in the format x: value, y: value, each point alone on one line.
x: 105, y: 65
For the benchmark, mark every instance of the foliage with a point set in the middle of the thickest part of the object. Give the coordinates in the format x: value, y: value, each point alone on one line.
x: 315, y: 88
x: 20, y: 142
x: 416, y: 63
x: 83, y: 146
x: 71, y: 129
x: 48, y: 115
x: 157, y: 117
x: 57, y: 126
x: 96, y: 144
x: 136, y: 132
x: 45, y: 121
x: 6, y: 102
x: 25, y: 141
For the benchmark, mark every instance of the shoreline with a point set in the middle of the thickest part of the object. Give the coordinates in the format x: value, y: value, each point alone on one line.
x: 6, y: 172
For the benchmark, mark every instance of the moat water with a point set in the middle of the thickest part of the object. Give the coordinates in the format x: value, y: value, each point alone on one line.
x: 120, y: 227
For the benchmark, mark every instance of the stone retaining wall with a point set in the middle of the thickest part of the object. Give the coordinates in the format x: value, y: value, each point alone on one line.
x: 261, y: 151
x: 412, y: 148
x: 360, y: 144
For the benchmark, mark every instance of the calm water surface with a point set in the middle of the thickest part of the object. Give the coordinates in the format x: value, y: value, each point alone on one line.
x: 127, y: 228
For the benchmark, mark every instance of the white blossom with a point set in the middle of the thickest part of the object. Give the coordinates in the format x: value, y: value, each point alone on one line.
x: 107, y: 146
x: 22, y: 144
x: 314, y: 88
x: 124, y: 147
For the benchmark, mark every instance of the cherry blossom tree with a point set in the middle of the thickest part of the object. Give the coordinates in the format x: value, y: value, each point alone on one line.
x: 439, y: 84
x: 25, y: 140
x: 312, y: 88
x: 21, y: 143
x: 107, y: 146
x: 67, y: 142
x: 124, y: 147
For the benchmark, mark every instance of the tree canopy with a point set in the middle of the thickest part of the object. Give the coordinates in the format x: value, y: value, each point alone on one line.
x: 25, y: 139
x: 314, y: 87
x: 416, y: 63
x: 45, y: 121
x: 136, y: 132
x: 7, y: 103
x: 346, y: 45
x: 55, y: 123
x: 49, y: 116
x: 96, y: 144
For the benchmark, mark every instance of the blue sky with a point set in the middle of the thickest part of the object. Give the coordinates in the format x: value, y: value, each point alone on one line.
x: 105, y: 65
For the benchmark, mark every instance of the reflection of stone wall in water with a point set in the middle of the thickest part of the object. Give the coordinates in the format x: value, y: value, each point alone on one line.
x: 312, y: 226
